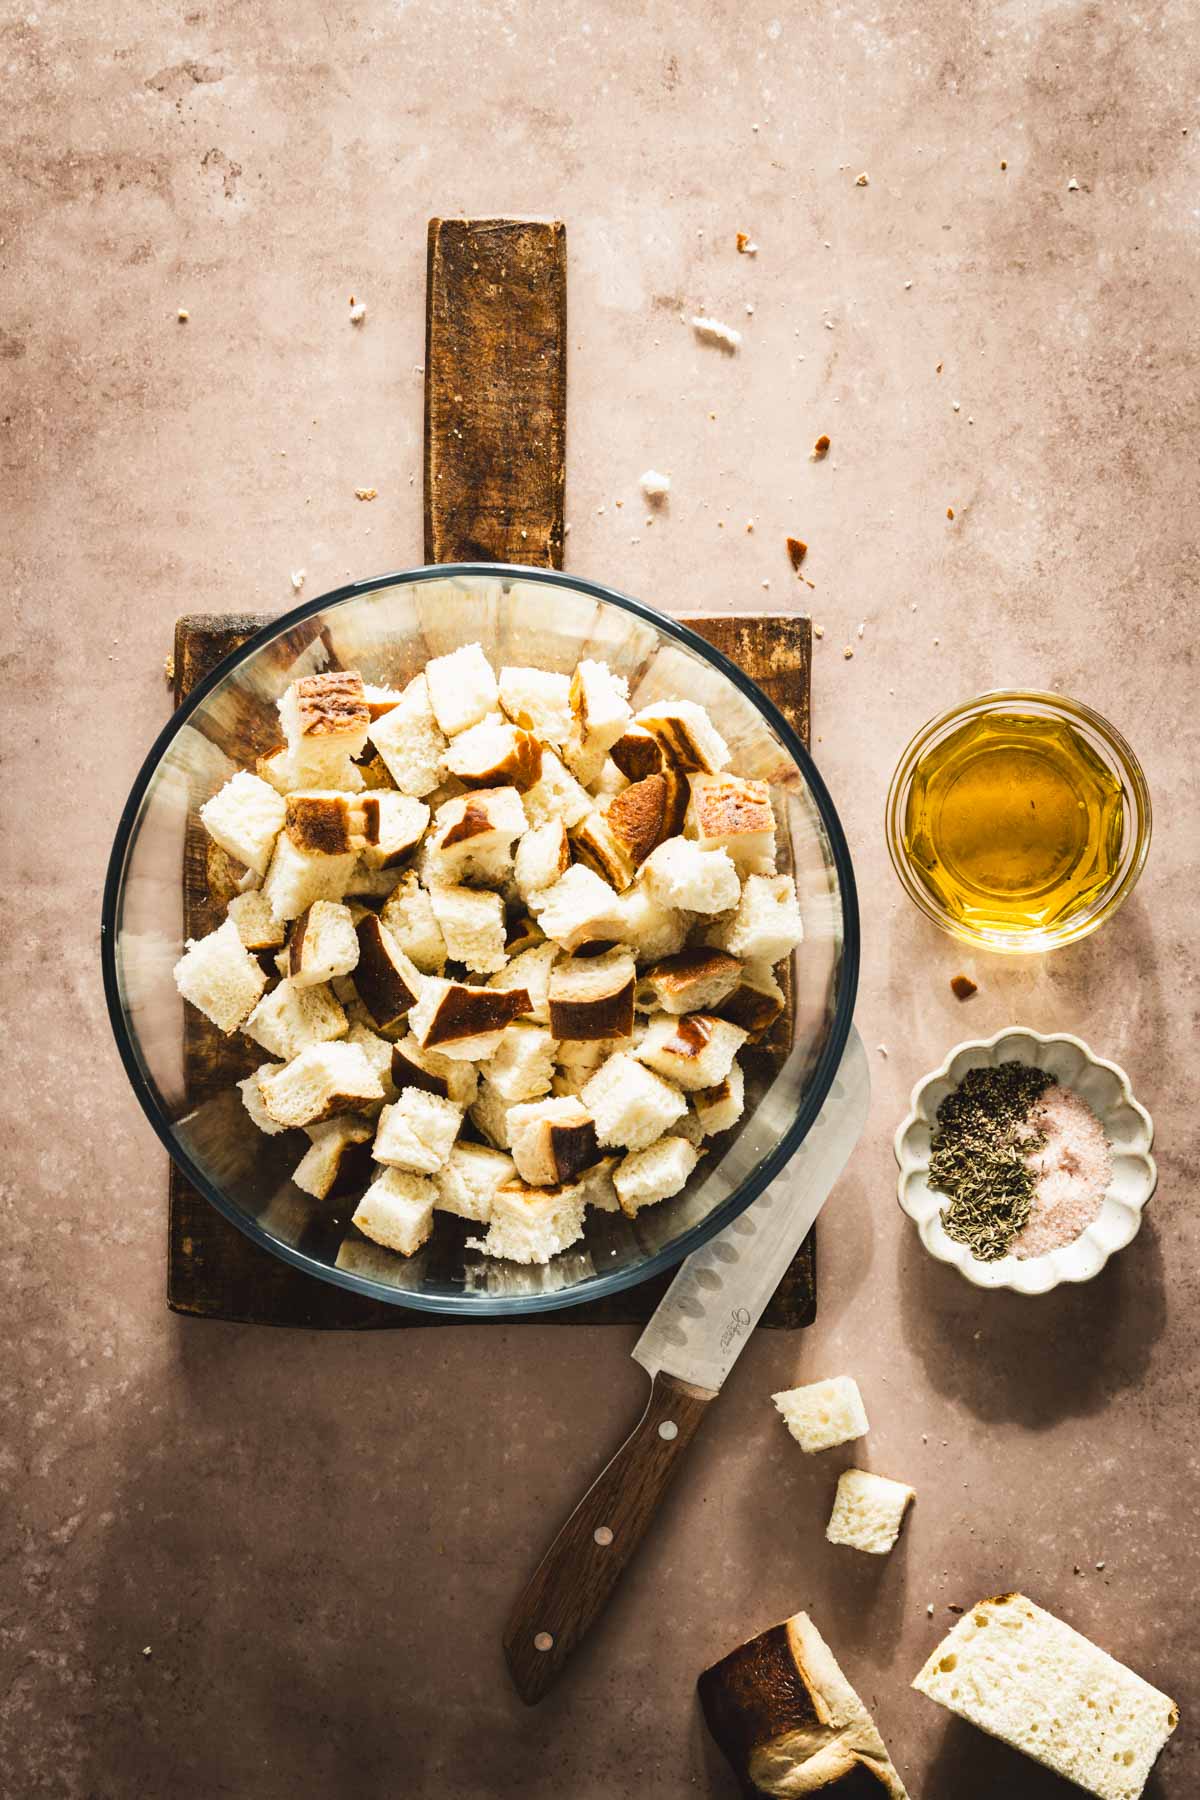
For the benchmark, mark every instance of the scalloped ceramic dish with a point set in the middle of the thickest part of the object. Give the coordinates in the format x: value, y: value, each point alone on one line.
x: 1107, y: 1091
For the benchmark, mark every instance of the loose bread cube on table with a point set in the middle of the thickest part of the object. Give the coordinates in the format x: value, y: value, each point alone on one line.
x: 388, y: 983
x: 531, y: 1224
x: 766, y: 924
x: 679, y: 873
x: 397, y: 1211
x: 322, y: 1080
x: 600, y: 712
x: 325, y: 719
x: 556, y: 795
x: 257, y: 925
x: 552, y: 1141
x: 411, y: 1066
x: 244, y: 818
x: 591, y: 997
x: 868, y: 1511
x: 323, y: 944
x: 824, y: 1413
x: 578, y: 909
x: 252, y: 1099
x: 410, y: 741
x: 218, y: 975
x: 756, y: 1002
x: 392, y: 827
x: 685, y: 734
x: 695, y: 980
x: 522, y: 1065
x: 540, y: 701
x: 471, y: 921
x: 296, y: 877
x: 647, y: 1176
x: 408, y: 914
x: 496, y: 753
x: 694, y: 1050
x: 727, y: 812
x: 417, y: 1131
x: 338, y: 1159
x: 1026, y: 1677
x: 289, y: 1019
x: 531, y: 970
x: 462, y: 688
x: 542, y: 856
x: 464, y: 1022
x: 719, y: 1108
x: 631, y: 1105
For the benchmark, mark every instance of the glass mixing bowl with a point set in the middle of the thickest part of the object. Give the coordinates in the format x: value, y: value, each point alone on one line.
x: 388, y: 629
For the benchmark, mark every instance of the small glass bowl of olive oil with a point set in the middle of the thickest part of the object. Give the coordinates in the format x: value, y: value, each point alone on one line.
x: 1018, y: 821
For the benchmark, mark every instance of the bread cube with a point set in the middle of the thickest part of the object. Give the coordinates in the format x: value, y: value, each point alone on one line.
x: 695, y: 980
x: 252, y: 1099
x: 689, y: 1126
x: 824, y: 1413
x: 530, y: 1225
x: 408, y: 915
x: 462, y: 688
x: 553, y: 1141
x: 393, y: 824
x: 649, y: 928
x: 417, y: 1131
x: 681, y: 874
x: 556, y: 795
x: 245, y: 818
x: 472, y: 835
x: 718, y: 1108
x: 325, y: 719
x: 596, y: 844
x: 685, y: 734
x: 600, y: 712
x: 637, y: 754
x: 1015, y: 1671
x: 410, y: 741
x: 411, y: 1066
x: 577, y: 1060
x: 530, y: 970
x: 219, y: 977
x: 319, y: 821
x: 489, y: 1114
x: 289, y: 1019
x: 296, y: 878
x: 591, y: 997
x: 766, y: 925
x: 631, y: 1105
x: 322, y: 1080
x: 276, y: 770
x: 523, y: 1062
x: 726, y: 812
x: 378, y: 1052
x: 323, y: 944
x: 538, y: 700
x: 694, y: 1051
x: 756, y: 1002
x: 387, y: 982
x: 467, y: 1182
x: 471, y: 921
x: 595, y: 1185
x: 463, y: 1022
x: 868, y: 1511
x: 496, y: 754
x: 338, y: 1159
x: 647, y: 1176
x: 578, y: 909
x: 543, y: 855
x: 257, y: 925
x: 397, y: 1211
x: 617, y: 842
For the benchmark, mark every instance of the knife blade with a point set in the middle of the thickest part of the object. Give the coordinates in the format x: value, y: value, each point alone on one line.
x: 695, y: 1336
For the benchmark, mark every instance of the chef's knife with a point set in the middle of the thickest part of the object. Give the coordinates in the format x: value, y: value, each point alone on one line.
x: 693, y: 1340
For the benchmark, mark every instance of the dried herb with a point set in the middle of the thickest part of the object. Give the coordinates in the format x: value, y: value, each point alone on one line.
x: 978, y: 1155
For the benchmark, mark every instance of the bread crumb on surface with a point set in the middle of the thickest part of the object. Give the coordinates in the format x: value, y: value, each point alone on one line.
x: 949, y: 512
x: 818, y: 631
x: 183, y: 315
x: 366, y: 493
x: 654, y: 484
x: 848, y: 653
x: 1072, y: 186
x: 358, y: 312
x: 963, y: 987
x: 820, y: 449
x: 864, y: 180
x: 169, y: 668
x: 797, y: 550
x: 715, y: 331
x: 298, y: 576
x: 745, y: 246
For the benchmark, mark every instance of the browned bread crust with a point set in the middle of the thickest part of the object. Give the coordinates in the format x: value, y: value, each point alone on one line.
x: 731, y: 806
x: 581, y: 1009
x: 751, y: 1008
x: 640, y: 816
x: 691, y: 969
x: 637, y: 755
x: 475, y: 820
x: 319, y: 823
x: 409, y: 1074
x: 382, y: 984
x: 467, y: 1012
x: 520, y: 768
x: 331, y: 705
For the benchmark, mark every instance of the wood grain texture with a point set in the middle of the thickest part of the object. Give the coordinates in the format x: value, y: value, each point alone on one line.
x: 495, y: 391
x: 576, y: 1578
x: 215, y: 1272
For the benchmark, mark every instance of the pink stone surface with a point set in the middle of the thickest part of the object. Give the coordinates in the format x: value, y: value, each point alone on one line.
x: 318, y: 1536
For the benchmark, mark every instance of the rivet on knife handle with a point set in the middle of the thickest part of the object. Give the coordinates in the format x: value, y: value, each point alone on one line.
x: 578, y: 1573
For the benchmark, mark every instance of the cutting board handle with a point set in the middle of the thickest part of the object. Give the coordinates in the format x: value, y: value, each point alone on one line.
x: 577, y: 1575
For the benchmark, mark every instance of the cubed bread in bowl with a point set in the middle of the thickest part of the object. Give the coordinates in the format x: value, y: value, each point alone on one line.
x: 756, y: 1002
x: 578, y: 909
x: 472, y: 836
x: 532, y: 1224
x: 412, y: 1067
x: 538, y: 700
x: 631, y: 1104
x: 718, y: 1108
x: 397, y: 1210
x: 685, y: 734
x: 693, y: 1050
x: 377, y: 1050
x: 637, y: 754
x: 727, y: 812
x: 766, y: 924
x: 388, y: 982
x: 464, y: 1022
x: 257, y: 925
x: 543, y: 855
x: 322, y: 1080
x: 530, y: 969
x: 244, y: 818
x: 417, y: 1131
x: 496, y: 754
x: 289, y: 1019
x: 694, y: 980
x: 408, y: 914
x: 295, y: 877
x: 522, y: 1065
x: 338, y: 1158
x: 393, y: 824
x: 220, y: 977
x: 467, y: 1181
x: 471, y: 921
x: 462, y: 688
x: 252, y: 1098
x: 600, y: 712
x: 411, y: 742
x: 591, y: 997
x: 680, y: 874
x: 553, y: 1141
x: 556, y: 795
x: 323, y: 944
x: 647, y: 1176
x: 646, y: 925
x: 325, y: 719
x: 321, y: 821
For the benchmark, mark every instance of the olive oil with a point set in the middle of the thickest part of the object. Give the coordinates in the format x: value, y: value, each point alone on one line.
x: 1014, y: 823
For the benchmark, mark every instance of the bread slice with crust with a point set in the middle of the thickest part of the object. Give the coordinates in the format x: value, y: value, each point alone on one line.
x: 388, y: 982
x: 695, y: 980
x: 463, y: 1022
x: 727, y: 812
x: 591, y: 997
x: 553, y: 1141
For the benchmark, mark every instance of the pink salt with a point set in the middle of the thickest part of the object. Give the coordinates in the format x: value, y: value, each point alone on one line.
x: 1071, y: 1172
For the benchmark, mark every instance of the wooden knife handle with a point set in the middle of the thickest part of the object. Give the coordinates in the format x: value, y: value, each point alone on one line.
x: 578, y: 1573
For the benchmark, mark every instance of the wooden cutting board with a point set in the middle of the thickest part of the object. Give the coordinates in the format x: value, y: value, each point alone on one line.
x: 495, y: 431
